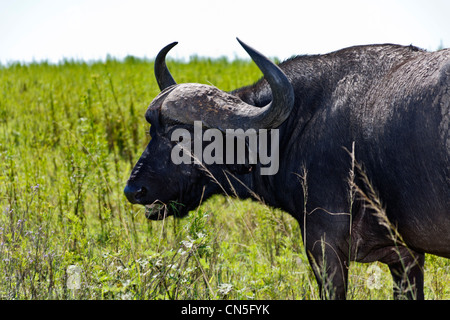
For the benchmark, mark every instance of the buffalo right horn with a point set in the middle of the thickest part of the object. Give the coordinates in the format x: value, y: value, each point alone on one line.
x: 276, y: 112
x: 162, y: 74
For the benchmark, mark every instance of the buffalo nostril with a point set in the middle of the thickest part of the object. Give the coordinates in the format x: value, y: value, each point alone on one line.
x: 134, y: 193
x: 140, y: 193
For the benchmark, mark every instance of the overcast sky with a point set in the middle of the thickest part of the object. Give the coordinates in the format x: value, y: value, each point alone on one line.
x: 35, y: 30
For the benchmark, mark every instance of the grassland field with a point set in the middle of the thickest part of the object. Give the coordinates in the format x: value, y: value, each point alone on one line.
x: 70, y: 134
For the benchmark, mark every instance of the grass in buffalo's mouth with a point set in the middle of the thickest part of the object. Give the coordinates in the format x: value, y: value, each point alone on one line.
x: 69, y: 136
x: 156, y: 210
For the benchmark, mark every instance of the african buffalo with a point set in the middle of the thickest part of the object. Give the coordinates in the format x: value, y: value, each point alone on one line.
x: 364, y: 155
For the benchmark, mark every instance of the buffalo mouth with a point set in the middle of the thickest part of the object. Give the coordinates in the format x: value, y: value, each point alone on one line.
x: 160, y: 211
x: 156, y: 211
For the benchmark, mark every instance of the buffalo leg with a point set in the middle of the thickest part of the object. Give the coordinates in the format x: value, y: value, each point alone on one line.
x: 329, y: 269
x: 407, y: 273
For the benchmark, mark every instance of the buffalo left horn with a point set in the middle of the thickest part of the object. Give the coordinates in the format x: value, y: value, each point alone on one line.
x: 162, y: 73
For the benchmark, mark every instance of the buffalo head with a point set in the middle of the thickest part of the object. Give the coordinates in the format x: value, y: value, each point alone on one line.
x: 167, y: 188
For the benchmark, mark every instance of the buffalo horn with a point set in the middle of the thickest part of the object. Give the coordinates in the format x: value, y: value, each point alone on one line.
x: 276, y: 112
x: 162, y: 74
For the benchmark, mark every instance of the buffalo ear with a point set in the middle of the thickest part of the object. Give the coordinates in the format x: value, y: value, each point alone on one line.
x: 240, y: 168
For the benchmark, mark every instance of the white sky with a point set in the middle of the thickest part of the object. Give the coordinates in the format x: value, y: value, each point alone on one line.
x: 35, y: 30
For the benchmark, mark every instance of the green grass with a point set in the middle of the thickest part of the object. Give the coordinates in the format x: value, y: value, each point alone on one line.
x: 69, y: 136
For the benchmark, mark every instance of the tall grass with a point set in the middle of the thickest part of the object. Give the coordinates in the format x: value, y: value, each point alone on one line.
x: 69, y: 136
